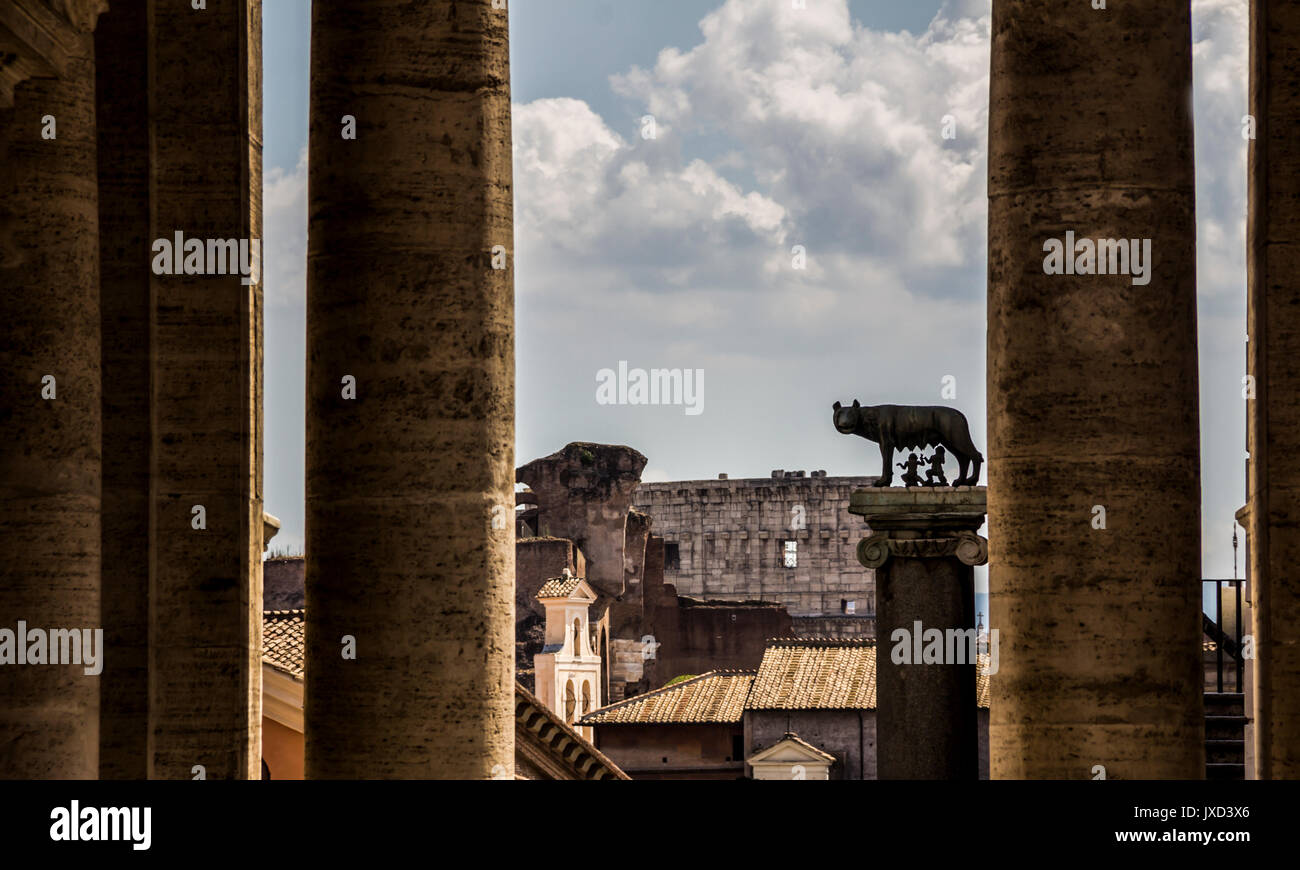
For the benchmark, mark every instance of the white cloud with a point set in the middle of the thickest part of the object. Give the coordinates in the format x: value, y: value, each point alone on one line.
x: 784, y: 127
x: 780, y: 128
x: 284, y: 226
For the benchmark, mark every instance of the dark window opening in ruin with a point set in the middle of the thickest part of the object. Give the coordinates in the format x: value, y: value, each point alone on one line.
x: 672, y: 557
x: 848, y: 607
x: 792, y: 554
x: 737, y: 748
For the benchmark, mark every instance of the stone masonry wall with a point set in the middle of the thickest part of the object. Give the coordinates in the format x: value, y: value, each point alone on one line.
x: 730, y: 537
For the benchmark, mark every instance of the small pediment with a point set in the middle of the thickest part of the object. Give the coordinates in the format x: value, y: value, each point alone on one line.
x: 791, y: 750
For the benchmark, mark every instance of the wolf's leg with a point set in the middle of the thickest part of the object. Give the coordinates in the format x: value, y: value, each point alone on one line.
x: 886, y: 462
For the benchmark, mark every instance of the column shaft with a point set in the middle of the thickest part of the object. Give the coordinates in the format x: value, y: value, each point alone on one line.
x: 926, y: 723
x: 122, y: 104
x: 1092, y: 395
x: 1273, y: 249
x: 403, y: 479
x: 205, y: 335
x: 50, y: 446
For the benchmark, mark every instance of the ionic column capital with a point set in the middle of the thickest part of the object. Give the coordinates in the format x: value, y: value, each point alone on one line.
x: 38, y: 36
x: 81, y: 14
x: 968, y: 547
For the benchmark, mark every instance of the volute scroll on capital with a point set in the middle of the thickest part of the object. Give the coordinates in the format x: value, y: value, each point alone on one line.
x: 968, y: 547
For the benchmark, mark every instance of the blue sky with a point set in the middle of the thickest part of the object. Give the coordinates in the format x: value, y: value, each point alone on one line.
x: 775, y: 128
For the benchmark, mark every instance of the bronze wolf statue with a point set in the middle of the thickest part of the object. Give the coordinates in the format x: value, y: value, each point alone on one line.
x: 906, y: 427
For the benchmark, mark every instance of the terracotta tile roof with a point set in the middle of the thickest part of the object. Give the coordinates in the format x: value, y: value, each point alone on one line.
x: 815, y: 674
x: 828, y: 674
x: 718, y: 696
x: 282, y: 640
x: 559, y: 587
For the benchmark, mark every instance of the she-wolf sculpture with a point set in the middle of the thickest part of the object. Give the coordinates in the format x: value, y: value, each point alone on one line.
x: 905, y: 427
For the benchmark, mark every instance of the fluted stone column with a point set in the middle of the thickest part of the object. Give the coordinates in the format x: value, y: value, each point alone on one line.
x: 1092, y: 396
x: 1273, y: 416
x: 49, y: 391
x: 410, y: 398
x: 205, y: 331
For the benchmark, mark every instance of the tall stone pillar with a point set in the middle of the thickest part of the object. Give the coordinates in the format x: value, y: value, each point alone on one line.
x: 924, y: 549
x: 205, y: 183
x: 1273, y: 478
x: 410, y: 393
x: 49, y: 391
x: 1094, y: 486
x: 122, y: 107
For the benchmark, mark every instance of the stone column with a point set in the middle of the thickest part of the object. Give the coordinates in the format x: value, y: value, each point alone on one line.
x: 1273, y: 514
x: 49, y: 391
x: 122, y: 106
x: 410, y: 393
x: 923, y: 549
x: 1094, y: 467
x: 206, y: 333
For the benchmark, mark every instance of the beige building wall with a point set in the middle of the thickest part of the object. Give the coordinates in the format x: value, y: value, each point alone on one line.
x: 730, y: 537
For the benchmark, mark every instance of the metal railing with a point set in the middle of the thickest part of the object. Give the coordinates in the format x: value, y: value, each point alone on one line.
x: 1227, y: 638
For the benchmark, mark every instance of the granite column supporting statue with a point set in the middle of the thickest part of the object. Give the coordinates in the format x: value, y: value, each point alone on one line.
x: 923, y: 550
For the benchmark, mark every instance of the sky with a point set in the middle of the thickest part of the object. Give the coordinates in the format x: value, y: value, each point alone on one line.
x: 774, y: 127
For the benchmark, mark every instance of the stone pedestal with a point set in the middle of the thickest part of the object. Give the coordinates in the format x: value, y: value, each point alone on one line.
x: 923, y: 549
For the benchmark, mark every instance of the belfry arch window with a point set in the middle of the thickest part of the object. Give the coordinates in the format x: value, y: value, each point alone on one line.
x: 570, y: 702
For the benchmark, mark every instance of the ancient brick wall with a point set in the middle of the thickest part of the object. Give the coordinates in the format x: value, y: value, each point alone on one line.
x: 282, y: 583
x: 849, y: 735
x: 536, y: 561
x: 661, y: 751
x: 730, y: 536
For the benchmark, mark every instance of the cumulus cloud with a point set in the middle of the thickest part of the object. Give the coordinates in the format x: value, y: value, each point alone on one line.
x: 826, y: 135
x: 284, y: 226
x: 780, y: 129
x: 841, y: 124
x: 786, y: 127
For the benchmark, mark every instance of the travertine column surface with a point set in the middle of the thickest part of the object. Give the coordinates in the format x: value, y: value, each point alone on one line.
x: 205, y: 590
x: 1092, y: 396
x: 122, y: 107
x: 50, y: 447
x: 405, y: 480
x: 1273, y: 417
